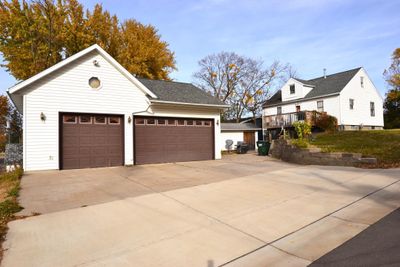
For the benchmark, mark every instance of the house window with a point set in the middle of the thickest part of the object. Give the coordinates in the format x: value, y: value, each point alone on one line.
x: 161, y: 122
x: 372, y: 108
x: 207, y: 123
x: 362, y: 81
x: 139, y: 121
x: 85, y: 119
x: 199, y: 123
x: 94, y: 82
x: 298, y: 109
x: 279, y: 110
x: 351, y: 103
x: 189, y: 122
x: 292, y: 89
x: 150, y: 121
x: 320, y: 106
x: 113, y: 120
x: 99, y: 120
x: 171, y: 122
x: 69, y: 119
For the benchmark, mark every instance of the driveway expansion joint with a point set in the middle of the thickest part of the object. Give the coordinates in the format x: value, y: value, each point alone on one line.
x: 307, y: 225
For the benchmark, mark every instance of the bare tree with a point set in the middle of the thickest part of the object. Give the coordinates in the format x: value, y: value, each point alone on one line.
x: 241, y: 82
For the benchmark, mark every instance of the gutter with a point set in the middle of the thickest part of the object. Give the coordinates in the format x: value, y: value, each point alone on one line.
x: 221, y: 106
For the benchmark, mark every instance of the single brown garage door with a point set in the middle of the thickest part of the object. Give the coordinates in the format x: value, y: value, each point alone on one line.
x: 160, y: 140
x: 89, y: 141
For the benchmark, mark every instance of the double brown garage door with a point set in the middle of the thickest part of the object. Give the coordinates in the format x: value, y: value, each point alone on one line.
x: 160, y: 140
x: 89, y: 141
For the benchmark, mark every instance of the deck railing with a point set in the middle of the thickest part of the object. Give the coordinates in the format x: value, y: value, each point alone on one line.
x: 286, y: 119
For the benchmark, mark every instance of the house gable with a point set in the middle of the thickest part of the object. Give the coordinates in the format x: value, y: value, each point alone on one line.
x: 17, y: 91
x: 320, y: 87
x: 294, y: 89
x: 362, y: 96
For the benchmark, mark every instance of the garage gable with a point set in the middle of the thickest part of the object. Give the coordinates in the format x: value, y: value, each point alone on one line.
x: 92, y: 64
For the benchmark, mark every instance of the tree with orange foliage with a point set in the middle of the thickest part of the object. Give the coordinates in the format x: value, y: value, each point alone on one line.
x: 392, y: 101
x: 38, y: 34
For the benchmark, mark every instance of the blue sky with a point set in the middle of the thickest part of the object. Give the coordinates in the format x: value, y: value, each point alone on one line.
x: 309, y: 34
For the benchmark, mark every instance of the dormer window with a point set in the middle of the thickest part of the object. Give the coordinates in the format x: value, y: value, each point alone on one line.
x: 292, y: 89
x: 362, y: 81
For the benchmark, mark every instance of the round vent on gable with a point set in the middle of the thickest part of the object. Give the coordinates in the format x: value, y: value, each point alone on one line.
x: 94, y: 82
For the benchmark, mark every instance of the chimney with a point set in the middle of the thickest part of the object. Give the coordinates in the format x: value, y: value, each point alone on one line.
x: 324, y: 73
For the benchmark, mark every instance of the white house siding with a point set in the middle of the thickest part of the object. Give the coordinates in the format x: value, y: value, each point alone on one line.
x: 331, y: 106
x: 235, y: 136
x: 190, y: 112
x: 300, y: 90
x: 362, y: 98
x: 67, y: 90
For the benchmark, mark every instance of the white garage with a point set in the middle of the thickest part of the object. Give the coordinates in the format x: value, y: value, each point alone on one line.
x: 81, y: 113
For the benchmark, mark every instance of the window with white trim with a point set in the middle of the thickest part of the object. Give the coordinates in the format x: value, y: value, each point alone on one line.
x: 85, y: 119
x: 320, y: 106
x: 100, y: 119
x: 362, y: 81
x: 139, y: 121
x: 292, y: 89
x: 69, y: 119
x: 351, y: 103
x: 279, y: 110
x: 372, y: 109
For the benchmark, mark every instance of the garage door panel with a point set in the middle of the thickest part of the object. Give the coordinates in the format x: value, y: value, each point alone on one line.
x: 87, y: 145
x: 159, y: 144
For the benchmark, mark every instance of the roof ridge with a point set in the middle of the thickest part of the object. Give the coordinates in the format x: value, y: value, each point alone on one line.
x: 333, y: 74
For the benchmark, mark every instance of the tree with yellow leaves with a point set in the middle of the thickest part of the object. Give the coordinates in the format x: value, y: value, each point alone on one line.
x: 36, y: 35
x: 239, y: 81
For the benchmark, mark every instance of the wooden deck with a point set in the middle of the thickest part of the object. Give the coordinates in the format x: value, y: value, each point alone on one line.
x: 287, y: 119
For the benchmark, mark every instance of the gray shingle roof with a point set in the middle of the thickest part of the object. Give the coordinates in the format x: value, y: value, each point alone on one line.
x: 332, y: 84
x: 179, y: 92
x: 227, y: 126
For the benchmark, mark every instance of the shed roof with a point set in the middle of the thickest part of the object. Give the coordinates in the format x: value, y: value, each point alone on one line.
x: 225, y: 126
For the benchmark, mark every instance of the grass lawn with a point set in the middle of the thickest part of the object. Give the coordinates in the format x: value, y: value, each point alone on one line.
x: 9, y: 190
x: 381, y: 144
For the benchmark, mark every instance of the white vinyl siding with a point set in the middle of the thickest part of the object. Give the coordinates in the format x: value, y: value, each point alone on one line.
x: 68, y: 90
x: 361, y: 114
x: 339, y: 106
x: 235, y: 136
x: 331, y: 106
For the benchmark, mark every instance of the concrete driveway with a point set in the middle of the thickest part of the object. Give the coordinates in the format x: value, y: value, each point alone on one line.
x: 240, y: 211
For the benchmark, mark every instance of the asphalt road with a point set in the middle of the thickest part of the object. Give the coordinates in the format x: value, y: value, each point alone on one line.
x: 378, y: 245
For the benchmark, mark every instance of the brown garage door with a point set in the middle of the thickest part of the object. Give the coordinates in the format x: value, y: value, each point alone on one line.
x: 89, y: 141
x: 160, y: 140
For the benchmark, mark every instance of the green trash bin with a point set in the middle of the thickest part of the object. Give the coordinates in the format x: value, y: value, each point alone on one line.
x: 263, y: 148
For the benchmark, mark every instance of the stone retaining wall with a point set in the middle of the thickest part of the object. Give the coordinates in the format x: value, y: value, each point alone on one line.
x: 282, y: 149
x: 13, y: 156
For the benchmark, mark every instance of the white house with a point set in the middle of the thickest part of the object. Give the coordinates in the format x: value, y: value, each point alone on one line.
x: 350, y: 96
x: 88, y: 111
x: 239, y: 132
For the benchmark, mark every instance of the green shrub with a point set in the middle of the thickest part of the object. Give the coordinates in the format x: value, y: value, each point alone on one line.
x: 325, y: 122
x: 8, y: 208
x: 300, y: 143
x: 303, y: 129
x: 11, y: 176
